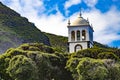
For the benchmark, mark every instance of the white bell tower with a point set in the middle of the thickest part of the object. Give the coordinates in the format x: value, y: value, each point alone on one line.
x: 80, y: 34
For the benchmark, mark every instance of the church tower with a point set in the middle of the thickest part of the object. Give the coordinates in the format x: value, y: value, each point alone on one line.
x: 80, y: 34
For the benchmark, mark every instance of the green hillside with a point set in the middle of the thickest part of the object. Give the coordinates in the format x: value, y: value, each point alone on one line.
x: 15, y: 30
x: 58, y: 42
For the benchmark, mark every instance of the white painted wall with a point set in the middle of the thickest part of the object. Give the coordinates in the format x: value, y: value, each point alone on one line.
x: 84, y: 44
x: 72, y: 46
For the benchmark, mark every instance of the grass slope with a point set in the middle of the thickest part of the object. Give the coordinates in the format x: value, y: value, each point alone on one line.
x: 58, y: 42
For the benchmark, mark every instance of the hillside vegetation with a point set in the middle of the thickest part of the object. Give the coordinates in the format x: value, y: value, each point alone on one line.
x: 58, y: 42
x: 35, y: 61
x: 15, y: 30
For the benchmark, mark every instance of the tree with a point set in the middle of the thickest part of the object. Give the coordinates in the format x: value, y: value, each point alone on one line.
x: 92, y: 69
x: 108, y: 55
x: 87, y: 69
x: 22, y: 68
x: 4, y: 62
x: 113, y: 69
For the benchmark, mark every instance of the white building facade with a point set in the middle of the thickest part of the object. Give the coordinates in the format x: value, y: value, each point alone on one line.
x: 80, y: 35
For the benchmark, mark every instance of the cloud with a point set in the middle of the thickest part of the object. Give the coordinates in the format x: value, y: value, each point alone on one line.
x: 70, y: 3
x: 90, y: 3
x: 106, y: 25
x: 54, y: 23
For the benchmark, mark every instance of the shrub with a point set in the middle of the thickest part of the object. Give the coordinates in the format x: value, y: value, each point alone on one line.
x: 90, y: 52
x: 91, y: 69
x: 36, y: 47
x: 13, y: 52
x: 107, y: 55
x: 22, y: 68
x: 113, y: 69
x: 117, y: 52
x: 87, y: 69
x: 4, y: 63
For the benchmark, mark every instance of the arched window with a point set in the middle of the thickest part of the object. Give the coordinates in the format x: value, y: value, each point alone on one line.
x: 78, y: 35
x: 73, y: 36
x: 78, y: 47
x: 83, y: 35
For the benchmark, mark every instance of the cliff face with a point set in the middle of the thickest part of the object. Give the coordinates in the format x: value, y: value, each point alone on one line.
x: 15, y: 30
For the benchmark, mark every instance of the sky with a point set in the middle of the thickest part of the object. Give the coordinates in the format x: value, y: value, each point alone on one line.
x: 52, y: 16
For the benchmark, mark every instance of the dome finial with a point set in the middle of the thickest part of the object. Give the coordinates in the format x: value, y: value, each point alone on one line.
x: 87, y: 19
x: 69, y: 22
x: 91, y: 26
x: 80, y: 12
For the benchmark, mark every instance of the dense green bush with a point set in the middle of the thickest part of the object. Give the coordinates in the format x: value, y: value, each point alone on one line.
x: 45, y: 63
x: 117, y: 52
x: 94, y: 64
x: 93, y: 69
x: 113, y: 69
x: 22, y: 68
x: 108, y: 55
x: 13, y: 52
x: 87, y: 69
x: 4, y: 63
x: 90, y: 69
x: 36, y: 47
x: 91, y: 52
